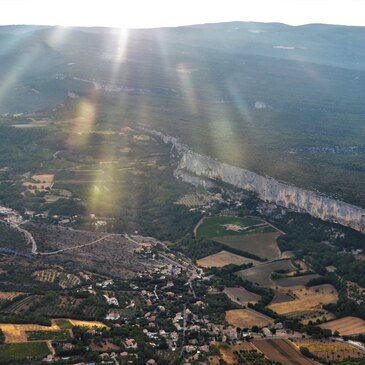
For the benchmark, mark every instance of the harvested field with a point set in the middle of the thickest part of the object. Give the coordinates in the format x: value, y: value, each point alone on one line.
x: 88, y: 324
x: 223, y: 226
x: 260, y: 244
x: 241, y: 295
x: 282, y: 351
x: 15, y: 333
x: 246, y: 318
x: 295, y: 281
x: 224, y: 258
x: 330, y: 350
x: 307, y: 300
x: 261, y: 274
x: 346, y: 326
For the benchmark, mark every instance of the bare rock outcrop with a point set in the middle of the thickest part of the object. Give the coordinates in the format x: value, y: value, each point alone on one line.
x: 207, y: 170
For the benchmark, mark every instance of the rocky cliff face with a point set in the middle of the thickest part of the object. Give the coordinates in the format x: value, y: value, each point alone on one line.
x: 268, y: 189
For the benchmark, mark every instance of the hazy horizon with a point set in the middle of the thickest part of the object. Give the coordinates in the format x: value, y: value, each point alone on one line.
x: 156, y: 14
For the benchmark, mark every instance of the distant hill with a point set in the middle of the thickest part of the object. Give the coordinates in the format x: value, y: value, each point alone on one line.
x: 263, y: 96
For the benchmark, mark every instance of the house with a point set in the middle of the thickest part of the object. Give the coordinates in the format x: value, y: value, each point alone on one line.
x: 131, y: 343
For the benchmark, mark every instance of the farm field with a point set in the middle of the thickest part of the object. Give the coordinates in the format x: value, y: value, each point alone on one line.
x: 64, y: 280
x: 41, y: 182
x: 307, y: 300
x: 330, y: 350
x: 246, y: 318
x: 194, y: 200
x: 261, y: 274
x: 280, y: 297
x: 15, y: 333
x: 346, y: 326
x: 57, y: 335
x: 263, y: 245
x: 295, y: 281
x: 241, y: 295
x: 21, y: 305
x: 229, y: 352
x: 89, y: 324
x: 9, y: 295
x: 226, y: 226
x: 282, y: 351
x: 20, y: 351
x: 224, y: 258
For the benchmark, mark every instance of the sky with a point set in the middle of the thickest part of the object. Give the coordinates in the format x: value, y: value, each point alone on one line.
x: 160, y: 13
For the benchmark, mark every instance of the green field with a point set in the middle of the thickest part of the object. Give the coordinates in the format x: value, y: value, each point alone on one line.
x: 61, y: 335
x: 21, y: 351
x: 263, y: 245
x: 214, y: 227
x: 261, y: 274
x: 64, y: 324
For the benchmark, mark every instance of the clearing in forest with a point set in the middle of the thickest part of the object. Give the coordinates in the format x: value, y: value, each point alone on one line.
x: 307, y: 300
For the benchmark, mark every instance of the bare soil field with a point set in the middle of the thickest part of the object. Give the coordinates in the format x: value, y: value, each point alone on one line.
x: 330, y: 350
x: 224, y: 258
x: 282, y: 351
x: 246, y: 318
x: 261, y: 274
x: 241, y: 295
x: 260, y: 244
x: 307, y: 300
x: 346, y: 326
x: 295, y: 280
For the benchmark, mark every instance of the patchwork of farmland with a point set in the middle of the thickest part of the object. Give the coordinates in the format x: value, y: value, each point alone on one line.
x: 295, y: 281
x: 246, y: 318
x: 282, y: 351
x: 224, y: 258
x: 261, y: 274
x: 251, y: 235
x: 346, y: 326
x: 307, y: 300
